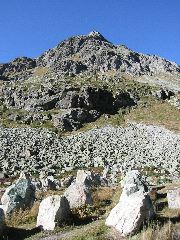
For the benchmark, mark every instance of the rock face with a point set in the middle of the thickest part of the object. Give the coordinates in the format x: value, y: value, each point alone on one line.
x: 78, y: 193
x: 75, y: 106
x: 92, y: 52
x: 18, y: 69
x: 73, y: 119
x: 173, y: 197
x: 2, y: 221
x: 20, y: 195
x: 134, y: 208
x: 53, y: 211
x: 87, y: 54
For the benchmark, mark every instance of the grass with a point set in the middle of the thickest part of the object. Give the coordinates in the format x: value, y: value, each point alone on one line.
x: 92, y: 232
x: 23, y: 217
x: 157, y: 113
x: 40, y: 71
x: 157, y: 232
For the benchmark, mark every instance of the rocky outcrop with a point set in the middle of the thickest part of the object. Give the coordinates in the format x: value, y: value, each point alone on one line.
x: 18, y: 69
x: 134, y: 208
x: 20, y: 195
x: 66, y: 181
x: 53, y: 212
x: 175, y: 101
x: 74, y: 119
x: 93, y: 53
x: 43, y: 99
x: 163, y: 94
x: 48, y: 183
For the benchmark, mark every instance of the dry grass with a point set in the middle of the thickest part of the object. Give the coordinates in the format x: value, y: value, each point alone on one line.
x: 158, y: 232
x: 93, y: 231
x: 157, y: 113
x: 40, y: 71
x: 24, y: 217
x: 102, y: 194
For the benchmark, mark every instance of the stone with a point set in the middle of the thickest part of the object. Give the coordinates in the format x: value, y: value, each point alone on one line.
x: 173, y: 197
x: 175, y: 101
x: 136, y: 145
x: 163, y: 94
x: 129, y: 215
x: 73, y: 119
x: 84, y: 178
x: 53, y: 211
x: 78, y: 195
x: 49, y: 183
x: 20, y: 195
x: 79, y: 192
x: 134, y: 208
x: 66, y: 182
x: 133, y: 182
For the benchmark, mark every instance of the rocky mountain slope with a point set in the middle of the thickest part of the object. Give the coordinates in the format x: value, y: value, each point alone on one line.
x: 87, y: 54
x: 77, y: 76
x: 81, y: 80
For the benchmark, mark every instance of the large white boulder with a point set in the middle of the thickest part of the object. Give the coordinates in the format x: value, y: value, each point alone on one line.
x: 134, y: 208
x: 79, y: 192
x: 53, y: 211
x: 20, y: 195
x: 78, y: 195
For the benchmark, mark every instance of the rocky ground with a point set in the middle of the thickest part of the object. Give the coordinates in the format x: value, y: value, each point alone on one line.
x: 136, y: 146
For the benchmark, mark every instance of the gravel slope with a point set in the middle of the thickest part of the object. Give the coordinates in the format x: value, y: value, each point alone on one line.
x: 134, y: 146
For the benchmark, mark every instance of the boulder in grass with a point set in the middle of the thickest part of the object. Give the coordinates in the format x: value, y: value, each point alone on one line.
x: 53, y: 211
x: 79, y: 192
x: 134, y: 208
x: 78, y: 195
x: 20, y: 195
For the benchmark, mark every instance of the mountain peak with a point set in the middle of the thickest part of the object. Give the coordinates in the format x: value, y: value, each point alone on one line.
x: 95, y: 34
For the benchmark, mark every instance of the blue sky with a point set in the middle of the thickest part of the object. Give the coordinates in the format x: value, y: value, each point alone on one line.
x: 29, y: 27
